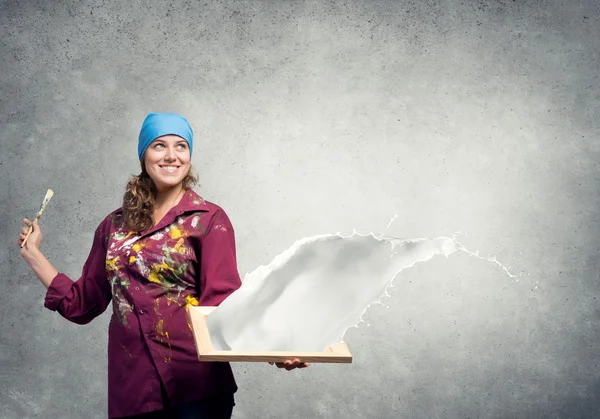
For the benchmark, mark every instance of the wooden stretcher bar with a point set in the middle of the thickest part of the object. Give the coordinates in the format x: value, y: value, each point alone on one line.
x: 338, y: 353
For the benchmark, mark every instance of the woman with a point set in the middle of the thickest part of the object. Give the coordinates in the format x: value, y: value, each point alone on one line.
x: 165, y: 249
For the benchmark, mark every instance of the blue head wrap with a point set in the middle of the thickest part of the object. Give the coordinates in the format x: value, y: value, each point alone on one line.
x: 158, y: 124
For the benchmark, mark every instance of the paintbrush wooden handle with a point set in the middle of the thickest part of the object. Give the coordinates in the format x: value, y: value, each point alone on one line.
x: 27, y: 236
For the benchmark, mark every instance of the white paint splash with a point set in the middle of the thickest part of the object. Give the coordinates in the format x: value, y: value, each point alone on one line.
x: 195, y: 221
x: 157, y: 236
x: 310, y: 294
x: 391, y: 221
x: 142, y: 265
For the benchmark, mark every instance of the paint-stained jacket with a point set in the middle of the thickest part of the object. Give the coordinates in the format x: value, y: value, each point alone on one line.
x: 152, y: 277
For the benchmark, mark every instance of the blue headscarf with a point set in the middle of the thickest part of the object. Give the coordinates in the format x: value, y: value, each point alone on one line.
x: 158, y: 124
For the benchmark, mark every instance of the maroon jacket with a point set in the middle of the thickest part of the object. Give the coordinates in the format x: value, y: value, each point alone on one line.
x: 152, y: 277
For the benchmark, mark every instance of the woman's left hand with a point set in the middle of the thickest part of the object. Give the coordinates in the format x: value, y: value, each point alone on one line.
x: 291, y: 364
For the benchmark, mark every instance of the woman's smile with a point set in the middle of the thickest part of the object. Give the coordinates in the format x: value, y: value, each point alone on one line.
x: 170, y: 169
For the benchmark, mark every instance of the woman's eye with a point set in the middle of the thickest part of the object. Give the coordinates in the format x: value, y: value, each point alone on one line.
x: 182, y: 146
x: 158, y: 145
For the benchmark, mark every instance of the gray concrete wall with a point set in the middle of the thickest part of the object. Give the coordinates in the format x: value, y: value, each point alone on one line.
x: 318, y: 117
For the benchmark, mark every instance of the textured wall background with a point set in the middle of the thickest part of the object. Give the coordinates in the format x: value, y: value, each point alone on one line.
x: 318, y: 117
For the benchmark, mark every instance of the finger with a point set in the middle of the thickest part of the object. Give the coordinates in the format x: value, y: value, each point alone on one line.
x: 25, y: 230
x: 26, y: 221
x: 297, y: 363
x: 290, y: 365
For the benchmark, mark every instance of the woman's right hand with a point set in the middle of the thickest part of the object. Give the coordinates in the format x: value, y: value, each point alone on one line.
x: 34, y: 240
x: 291, y: 364
x: 32, y: 254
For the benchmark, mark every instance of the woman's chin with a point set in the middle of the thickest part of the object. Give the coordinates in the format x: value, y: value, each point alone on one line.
x: 164, y: 184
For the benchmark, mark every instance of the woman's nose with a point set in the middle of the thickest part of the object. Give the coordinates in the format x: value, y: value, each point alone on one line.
x: 170, y: 155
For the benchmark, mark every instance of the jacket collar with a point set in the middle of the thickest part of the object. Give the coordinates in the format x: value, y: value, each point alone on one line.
x: 189, y: 202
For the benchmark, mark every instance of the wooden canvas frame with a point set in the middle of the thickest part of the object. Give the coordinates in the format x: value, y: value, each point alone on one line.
x: 338, y: 353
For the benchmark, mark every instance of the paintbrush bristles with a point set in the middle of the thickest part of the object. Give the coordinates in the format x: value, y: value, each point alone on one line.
x: 49, y: 195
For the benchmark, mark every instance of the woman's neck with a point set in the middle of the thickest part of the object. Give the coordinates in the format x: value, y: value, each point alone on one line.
x: 167, y: 199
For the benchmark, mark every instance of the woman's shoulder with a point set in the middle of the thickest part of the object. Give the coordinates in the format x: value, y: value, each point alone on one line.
x: 117, y: 213
x: 215, y: 212
x: 114, y: 217
x: 199, y: 203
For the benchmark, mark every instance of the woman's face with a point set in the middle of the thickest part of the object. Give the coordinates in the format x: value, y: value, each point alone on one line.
x: 167, y: 161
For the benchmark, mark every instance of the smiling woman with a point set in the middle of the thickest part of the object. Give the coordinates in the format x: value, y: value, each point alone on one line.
x: 164, y: 150
x: 165, y: 249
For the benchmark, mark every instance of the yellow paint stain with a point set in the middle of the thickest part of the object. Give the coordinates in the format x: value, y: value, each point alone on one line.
x: 170, y: 299
x: 137, y: 247
x: 157, y: 307
x: 178, y: 247
x: 131, y: 259
x: 160, y: 266
x: 111, y: 264
x: 153, y: 277
x: 176, y: 233
x: 191, y: 301
x: 161, y: 332
x: 159, y: 328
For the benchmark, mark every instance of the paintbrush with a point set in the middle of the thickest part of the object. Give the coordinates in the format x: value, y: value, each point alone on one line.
x: 49, y: 195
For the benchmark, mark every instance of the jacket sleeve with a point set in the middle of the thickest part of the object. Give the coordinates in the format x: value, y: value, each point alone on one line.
x: 85, y: 299
x: 219, y: 275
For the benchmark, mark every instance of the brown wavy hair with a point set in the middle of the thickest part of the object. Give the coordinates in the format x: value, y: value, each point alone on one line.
x: 138, y: 201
